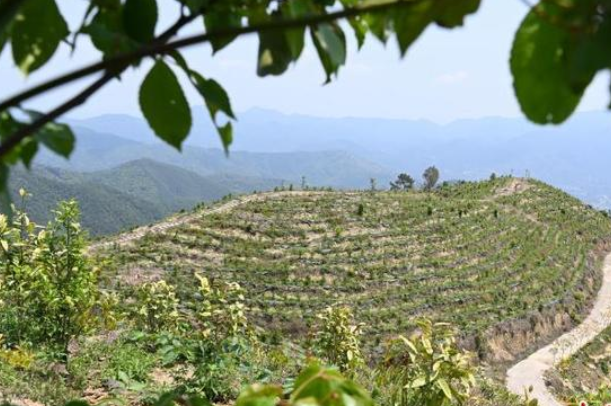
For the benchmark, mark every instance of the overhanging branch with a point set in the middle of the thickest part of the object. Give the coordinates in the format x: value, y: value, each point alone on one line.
x: 165, y: 48
x: 117, y: 64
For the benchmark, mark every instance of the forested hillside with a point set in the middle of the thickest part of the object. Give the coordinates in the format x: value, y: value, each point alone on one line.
x: 135, y: 193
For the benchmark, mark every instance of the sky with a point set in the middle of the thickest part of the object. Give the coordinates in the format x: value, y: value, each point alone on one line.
x: 447, y: 75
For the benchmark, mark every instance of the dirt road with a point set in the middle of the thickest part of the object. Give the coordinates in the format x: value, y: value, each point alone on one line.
x: 530, y: 371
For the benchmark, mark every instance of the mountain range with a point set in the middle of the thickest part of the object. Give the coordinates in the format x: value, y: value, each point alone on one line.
x: 121, y: 171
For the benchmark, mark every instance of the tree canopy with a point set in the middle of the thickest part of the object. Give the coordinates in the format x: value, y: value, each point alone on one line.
x: 558, y: 48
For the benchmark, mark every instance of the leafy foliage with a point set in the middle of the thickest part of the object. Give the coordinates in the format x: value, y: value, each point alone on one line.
x: 431, y: 367
x: 125, y: 34
x: 403, y: 182
x: 164, y: 105
x: 221, y: 310
x: 430, y: 176
x: 158, y: 307
x: 557, y: 50
x: 49, y: 288
x: 338, y: 339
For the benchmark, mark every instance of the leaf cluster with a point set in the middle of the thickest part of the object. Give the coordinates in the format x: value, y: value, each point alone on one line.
x: 127, y: 32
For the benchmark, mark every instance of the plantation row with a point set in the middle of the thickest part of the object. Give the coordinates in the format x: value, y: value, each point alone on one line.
x: 473, y: 254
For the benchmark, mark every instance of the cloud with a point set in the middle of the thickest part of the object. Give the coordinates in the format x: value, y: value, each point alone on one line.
x: 452, y: 78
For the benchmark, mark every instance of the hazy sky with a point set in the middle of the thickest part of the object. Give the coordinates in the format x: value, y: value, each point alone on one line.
x: 446, y: 75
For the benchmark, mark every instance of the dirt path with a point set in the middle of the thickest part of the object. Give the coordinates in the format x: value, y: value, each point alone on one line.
x: 531, y: 370
x: 176, y: 221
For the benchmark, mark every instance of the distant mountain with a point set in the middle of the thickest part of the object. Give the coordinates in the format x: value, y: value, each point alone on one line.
x: 104, y: 209
x: 167, y: 186
x: 573, y: 156
x: 98, y: 151
x: 135, y: 193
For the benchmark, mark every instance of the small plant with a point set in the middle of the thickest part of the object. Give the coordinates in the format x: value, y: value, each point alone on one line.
x: 360, y: 210
x: 430, y: 368
x: 158, y: 307
x: 221, y: 310
x: 108, y: 304
x: 338, y: 339
x: 16, y: 357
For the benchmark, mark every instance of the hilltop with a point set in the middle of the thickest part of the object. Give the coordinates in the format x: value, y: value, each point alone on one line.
x: 511, y: 262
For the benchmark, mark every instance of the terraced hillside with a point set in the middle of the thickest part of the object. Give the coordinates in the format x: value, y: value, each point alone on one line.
x: 510, y: 261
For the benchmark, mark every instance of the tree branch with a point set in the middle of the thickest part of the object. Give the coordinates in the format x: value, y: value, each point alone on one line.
x: 115, y: 65
x: 164, y: 48
x: 111, y: 72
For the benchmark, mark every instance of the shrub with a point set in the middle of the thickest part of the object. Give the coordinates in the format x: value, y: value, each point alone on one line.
x: 428, y: 369
x: 49, y: 288
x: 221, y: 310
x: 338, y: 339
x: 158, y: 307
x: 16, y: 357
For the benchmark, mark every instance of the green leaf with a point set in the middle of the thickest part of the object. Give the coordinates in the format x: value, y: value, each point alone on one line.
x: 410, y: 22
x: 330, y: 43
x: 259, y: 395
x: 451, y: 13
x: 2, y: 42
x: 275, y: 53
x: 328, y: 388
x: 295, y: 37
x: 195, y: 6
x: 539, y: 69
x: 164, y: 105
x: 107, y: 33
x: 377, y: 23
x: 36, y: 33
x: 59, y: 138
x: 359, y: 26
x: 216, y: 100
x: 215, y: 96
x: 29, y: 148
x: 26, y: 150
x: 222, y: 19
x: 443, y: 384
x: 140, y: 19
x: 416, y: 383
x: 8, y: 10
x: 226, y: 134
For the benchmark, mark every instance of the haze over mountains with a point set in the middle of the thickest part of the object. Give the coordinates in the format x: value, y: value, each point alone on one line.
x: 117, y: 158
